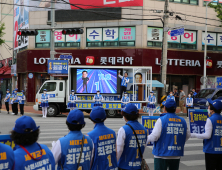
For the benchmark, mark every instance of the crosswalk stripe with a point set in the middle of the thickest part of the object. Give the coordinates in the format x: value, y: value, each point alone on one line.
x: 197, y: 152
x: 193, y: 162
x: 149, y: 161
x: 186, y: 145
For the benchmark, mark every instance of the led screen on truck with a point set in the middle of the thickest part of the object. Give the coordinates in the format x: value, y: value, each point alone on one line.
x: 91, y: 80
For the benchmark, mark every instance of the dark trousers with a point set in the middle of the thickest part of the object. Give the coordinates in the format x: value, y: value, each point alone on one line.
x: 7, y: 106
x: 85, y: 87
x: 177, y: 102
x: 0, y: 104
x: 122, y: 89
x: 213, y: 161
x: 164, y: 164
x: 21, y: 106
x: 15, y: 108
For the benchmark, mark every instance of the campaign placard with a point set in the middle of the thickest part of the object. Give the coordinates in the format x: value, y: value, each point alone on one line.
x: 5, y: 139
x: 197, y: 118
x: 58, y: 67
x: 149, y: 122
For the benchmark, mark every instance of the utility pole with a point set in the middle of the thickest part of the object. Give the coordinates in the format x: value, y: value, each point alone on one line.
x: 164, y: 49
x: 52, y: 44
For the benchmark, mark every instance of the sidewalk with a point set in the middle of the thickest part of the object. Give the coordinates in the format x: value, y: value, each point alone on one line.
x: 29, y: 109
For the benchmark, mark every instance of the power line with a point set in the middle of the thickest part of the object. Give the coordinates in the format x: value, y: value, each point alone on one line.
x: 7, y: 50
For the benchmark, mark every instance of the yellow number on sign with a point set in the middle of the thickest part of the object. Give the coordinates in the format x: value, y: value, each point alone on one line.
x: 109, y: 159
x: 80, y: 168
x: 175, y: 139
x: 137, y: 153
x: 191, y: 117
x: 50, y: 66
x: 220, y: 141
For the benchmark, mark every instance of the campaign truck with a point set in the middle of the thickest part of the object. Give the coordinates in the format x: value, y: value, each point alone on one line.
x: 86, y: 80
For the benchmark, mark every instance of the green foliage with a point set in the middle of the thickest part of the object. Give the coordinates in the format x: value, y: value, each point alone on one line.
x: 2, y: 28
x: 218, y: 10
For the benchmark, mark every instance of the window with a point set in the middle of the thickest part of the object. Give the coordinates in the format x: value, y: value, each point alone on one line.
x: 61, y: 86
x: 192, y: 2
x: 43, y: 38
x: 218, y: 95
x: 214, y: 41
x: 186, y: 41
x: 49, y: 86
x: 111, y: 37
x: 205, y: 93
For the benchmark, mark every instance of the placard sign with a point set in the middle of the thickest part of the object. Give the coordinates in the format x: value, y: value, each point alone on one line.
x: 5, y: 139
x: 57, y: 66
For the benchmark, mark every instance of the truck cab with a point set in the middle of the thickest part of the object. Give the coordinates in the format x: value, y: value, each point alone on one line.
x: 200, y: 99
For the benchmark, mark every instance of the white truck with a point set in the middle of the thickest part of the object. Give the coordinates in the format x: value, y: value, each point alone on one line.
x: 86, y: 80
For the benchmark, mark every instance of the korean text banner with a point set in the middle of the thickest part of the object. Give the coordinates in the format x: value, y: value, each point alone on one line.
x: 85, y: 4
x: 149, y: 122
x: 5, y: 139
x: 197, y: 118
x: 57, y: 66
x: 21, y: 21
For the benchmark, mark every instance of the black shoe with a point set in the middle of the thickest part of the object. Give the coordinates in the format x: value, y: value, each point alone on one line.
x: 8, y: 112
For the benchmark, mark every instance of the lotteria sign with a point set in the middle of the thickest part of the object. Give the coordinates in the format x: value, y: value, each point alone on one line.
x: 180, y: 62
x: 44, y: 60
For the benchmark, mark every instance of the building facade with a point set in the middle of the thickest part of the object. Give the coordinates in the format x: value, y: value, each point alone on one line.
x: 126, y: 36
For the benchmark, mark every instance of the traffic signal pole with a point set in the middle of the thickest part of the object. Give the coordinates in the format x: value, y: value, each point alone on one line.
x: 52, y: 44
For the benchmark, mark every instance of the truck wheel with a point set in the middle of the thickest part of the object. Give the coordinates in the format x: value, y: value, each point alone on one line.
x: 52, y: 111
x: 111, y: 113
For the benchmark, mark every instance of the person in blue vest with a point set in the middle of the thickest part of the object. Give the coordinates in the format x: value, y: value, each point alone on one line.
x: 169, y: 136
x: 104, y: 140
x: 151, y: 100
x: 72, y: 100
x: 7, y: 99
x: 171, y: 96
x: 194, y: 92
x: 11, y: 101
x: 44, y: 103
x: 7, y: 157
x: 124, y: 82
x: 189, y: 103
x: 21, y: 103
x: 128, y: 156
x: 15, y: 102
x: 125, y: 100
x: 212, y: 136
x: 67, y: 150
x: 29, y: 154
x: 98, y: 99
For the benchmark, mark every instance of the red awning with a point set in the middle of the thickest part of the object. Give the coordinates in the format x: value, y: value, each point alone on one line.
x: 8, y: 71
x: 2, y: 70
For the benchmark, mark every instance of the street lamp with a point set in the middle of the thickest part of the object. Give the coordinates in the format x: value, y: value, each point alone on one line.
x: 205, y: 46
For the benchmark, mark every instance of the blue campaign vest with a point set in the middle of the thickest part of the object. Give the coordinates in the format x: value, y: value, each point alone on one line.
x: 104, y: 140
x: 44, y: 97
x: 123, y: 81
x: 130, y: 158
x: 11, y: 97
x: 173, y: 136
x: 125, y: 99
x: 213, y: 145
x: 151, y: 98
x: 189, y: 100
x: 7, y: 157
x: 98, y: 97
x: 22, y: 101
x: 71, y: 148
x: 170, y: 97
x: 194, y: 94
x: 15, y: 96
x: 72, y: 97
x: 7, y: 95
x: 24, y: 162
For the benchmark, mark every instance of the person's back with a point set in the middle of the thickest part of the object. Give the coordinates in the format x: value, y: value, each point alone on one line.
x: 68, y: 149
x: 29, y: 154
x: 128, y: 155
x: 104, y: 140
x: 7, y: 157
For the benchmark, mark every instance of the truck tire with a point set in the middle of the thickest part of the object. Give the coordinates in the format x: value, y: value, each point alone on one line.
x: 111, y: 113
x: 52, y: 111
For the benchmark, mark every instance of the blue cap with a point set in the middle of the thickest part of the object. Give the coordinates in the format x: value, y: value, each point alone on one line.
x: 130, y: 107
x: 217, y: 104
x: 169, y: 104
x: 73, y: 90
x: 7, y: 90
x: 45, y: 90
x: 151, y: 92
x: 24, y: 124
x: 98, y: 114
x: 125, y: 92
x: 16, y: 90
x: 23, y: 91
x: 76, y: 117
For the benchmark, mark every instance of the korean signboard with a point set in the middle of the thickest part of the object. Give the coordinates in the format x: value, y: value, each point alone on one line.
x: 219, y: 82
x: 44, y: 37
x: 197, y: 118
x: 154, y: 34
x: 149, y: 122
x: 58, y: 67
x: 21, y: 21
x: 111, y: 34
x: 85, y: 4
x: 211, y: 38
